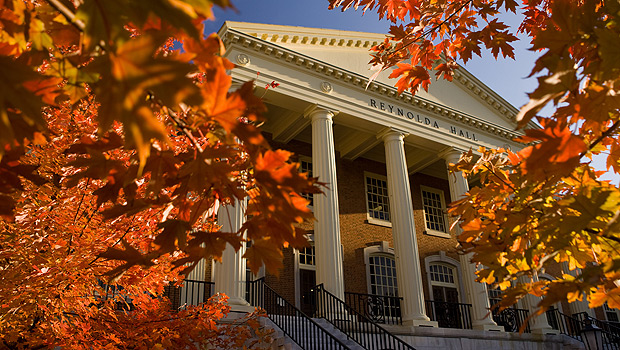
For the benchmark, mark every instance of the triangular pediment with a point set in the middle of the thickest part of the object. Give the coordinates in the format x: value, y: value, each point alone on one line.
x: 349, y: 51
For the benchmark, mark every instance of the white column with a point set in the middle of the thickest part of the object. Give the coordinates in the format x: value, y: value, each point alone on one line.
x: 476, y: 292
x: 230, y: 273
x: 325, y: 205
x: 577, y: 306
x: 538, y: 324
x: 408, y: 270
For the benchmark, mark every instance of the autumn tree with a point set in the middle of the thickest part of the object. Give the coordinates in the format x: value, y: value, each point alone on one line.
x: 544, y: 204
x: 120, y: 136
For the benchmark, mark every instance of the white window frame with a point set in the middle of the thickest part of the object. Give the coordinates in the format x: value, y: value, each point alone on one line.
x: 607, y: 310
x: 381, y: 249
x: 442, y: 259
x: 308, y: 160
x: 369, y: 218
x: 442, y: 198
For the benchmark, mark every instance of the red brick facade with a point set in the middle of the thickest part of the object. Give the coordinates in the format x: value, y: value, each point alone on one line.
x: 355, y: 230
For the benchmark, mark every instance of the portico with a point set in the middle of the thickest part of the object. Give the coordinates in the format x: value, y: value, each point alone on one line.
x: 379, y: 150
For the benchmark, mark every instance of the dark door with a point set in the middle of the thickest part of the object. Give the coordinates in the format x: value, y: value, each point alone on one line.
x: 446, y: 307
x: 307, y: 281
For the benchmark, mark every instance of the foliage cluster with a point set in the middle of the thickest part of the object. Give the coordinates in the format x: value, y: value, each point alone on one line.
x: 115, y: 153
x: 544, y: 204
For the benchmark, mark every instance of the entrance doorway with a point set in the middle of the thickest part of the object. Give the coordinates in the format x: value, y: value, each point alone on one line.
x: 307, y: 282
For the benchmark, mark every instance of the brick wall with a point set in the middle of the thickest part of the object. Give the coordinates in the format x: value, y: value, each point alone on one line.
x: 356, y: 232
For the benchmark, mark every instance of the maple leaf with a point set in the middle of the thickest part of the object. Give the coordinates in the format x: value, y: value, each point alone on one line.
x: 263, y: 253
x: 129, y: 74
x: 14, y: 94
x: 559, y: 148
x: 410, y: 77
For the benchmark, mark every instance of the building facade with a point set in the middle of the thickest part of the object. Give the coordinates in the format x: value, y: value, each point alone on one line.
x: 381, y: 232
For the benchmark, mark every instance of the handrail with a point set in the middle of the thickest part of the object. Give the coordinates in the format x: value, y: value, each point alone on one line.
x: 572, y: 326
x: 512, y: 318
x: 378, y: 308
x: 303, y: 330
x: 565, y: 324
x: 449, y: 315
x: 356, y: 326
x: 192, y: 293
x: 605, y: 325
x: 611, y: 334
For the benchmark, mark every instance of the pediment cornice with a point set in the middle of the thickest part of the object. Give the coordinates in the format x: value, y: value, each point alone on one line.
x: 267, y: 47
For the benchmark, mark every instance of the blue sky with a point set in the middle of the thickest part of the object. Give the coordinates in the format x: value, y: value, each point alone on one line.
x: 507, y: 77
x: 504, y: 76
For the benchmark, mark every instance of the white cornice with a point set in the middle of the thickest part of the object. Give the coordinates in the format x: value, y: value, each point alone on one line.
x: 231, y: 36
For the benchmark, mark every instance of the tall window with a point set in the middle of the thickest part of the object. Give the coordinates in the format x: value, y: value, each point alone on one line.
x: 434, y: 206
x: 445, y: 296
x: 377, y: 197
x: 382, y: 275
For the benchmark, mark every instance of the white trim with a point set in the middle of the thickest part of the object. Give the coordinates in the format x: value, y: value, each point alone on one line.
x: 370, y: 219
x: 232, y: 34
x: 442, y: 198
x: 442, y: 258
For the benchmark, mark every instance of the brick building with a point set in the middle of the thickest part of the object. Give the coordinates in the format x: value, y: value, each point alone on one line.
x: 382, y: 233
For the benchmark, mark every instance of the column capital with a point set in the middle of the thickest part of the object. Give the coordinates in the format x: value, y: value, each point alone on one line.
x: 390, y: 133
x: 317, y: 111
x: 451, y: 154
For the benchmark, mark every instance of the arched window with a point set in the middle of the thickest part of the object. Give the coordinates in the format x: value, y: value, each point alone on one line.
x: 442, y: 274
x: 382, y: 303
x: 444, y: 283
x: 445, y: 290
x: 382, y: 273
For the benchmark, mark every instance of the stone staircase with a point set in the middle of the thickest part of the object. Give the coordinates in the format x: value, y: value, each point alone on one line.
x: 281, y: 341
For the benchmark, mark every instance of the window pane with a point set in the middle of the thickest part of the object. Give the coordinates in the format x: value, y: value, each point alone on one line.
x: 377, y: 198
x: 433, y: 211
x: 382, y: 275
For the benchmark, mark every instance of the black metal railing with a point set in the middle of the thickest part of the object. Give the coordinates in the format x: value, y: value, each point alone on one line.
x: 449, y: 315
x: 115, y: 293
x: 512, y: 319
x: 377, y: 308
x: 611, y: 327
x: 611, y: 332
x: 303, y: 330
x: 355, y: 325
x: 565, y: 324
x: 192, y: 293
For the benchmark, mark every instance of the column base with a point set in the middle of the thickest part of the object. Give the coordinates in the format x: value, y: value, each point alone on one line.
x: 236, y: 313
x: 546, y: 330
x: 420, y: 323
x: 488, y: 327
x: 240, y: 305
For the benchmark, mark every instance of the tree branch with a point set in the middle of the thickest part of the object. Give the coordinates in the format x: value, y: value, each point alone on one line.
x: 430, y: 30
x: 599, y: 139
x: 67, y: 13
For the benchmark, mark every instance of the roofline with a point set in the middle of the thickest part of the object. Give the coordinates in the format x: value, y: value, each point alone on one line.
x: 234, y: 36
